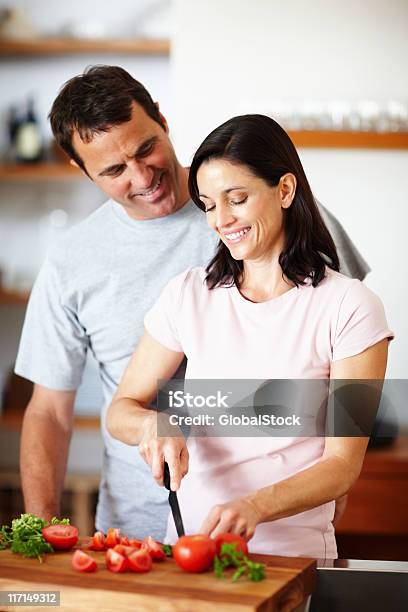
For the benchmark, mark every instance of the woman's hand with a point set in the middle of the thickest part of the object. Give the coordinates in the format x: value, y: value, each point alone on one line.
x: 155, y: 450
x: 239, y: 516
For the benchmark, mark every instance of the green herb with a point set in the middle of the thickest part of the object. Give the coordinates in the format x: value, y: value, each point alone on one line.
x: 24, y: 536
x: 168, y: 550
x: 229, y: 556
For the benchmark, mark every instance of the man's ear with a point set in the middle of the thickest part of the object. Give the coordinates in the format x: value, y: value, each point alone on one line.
x: 162, y: 118
x: 74, y: 163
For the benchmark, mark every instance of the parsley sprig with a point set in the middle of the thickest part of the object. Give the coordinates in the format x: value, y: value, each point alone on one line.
x: 168, y: 550
x: 229, y: 556
x: 24, y: 536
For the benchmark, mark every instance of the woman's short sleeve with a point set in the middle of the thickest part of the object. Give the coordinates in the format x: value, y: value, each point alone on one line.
x: 361, y: 322
x: 161, y: 321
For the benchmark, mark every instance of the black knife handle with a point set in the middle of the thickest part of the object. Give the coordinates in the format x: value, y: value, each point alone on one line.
x: 166, y: 476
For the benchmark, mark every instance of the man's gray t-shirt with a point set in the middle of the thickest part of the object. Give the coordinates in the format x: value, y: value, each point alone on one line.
x: 92, y: 294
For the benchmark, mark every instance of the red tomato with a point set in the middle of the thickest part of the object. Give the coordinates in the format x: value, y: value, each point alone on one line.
x: 115, y: 562
x: 140, y: 561
x: 123, y: 550
x: 124, y: 540
x: 61, y: 537
x: 155, y: 549
x: 112, y: 537
x: 98, y: 541
x: 194, y: 553
x: 135, y: 543
x: 231, y: 538
x: 82, y: 562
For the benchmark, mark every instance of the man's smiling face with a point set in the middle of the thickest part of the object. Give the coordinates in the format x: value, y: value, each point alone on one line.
x: 134, y: 163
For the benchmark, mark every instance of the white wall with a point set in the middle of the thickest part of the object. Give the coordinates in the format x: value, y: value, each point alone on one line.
x: 233, y: 57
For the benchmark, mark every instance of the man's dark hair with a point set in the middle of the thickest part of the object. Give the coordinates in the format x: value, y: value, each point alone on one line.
x: 95, y: 101
x: 262, y: 146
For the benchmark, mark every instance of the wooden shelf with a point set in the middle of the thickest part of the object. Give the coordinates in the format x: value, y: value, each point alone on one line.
x: 61, y: 170
x: 64, y: 46
x: 350, y: 140
x: 13, y: 297
x: 39, y: 171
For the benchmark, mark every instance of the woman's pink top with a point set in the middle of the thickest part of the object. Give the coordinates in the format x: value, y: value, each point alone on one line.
x: 296, y: 335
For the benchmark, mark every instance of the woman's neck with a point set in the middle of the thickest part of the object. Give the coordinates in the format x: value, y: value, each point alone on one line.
x: 263, y: 280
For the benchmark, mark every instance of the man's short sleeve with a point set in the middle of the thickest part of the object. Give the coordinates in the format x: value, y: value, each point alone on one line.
x: 53, y: 344
x: 361, y: 322
x: 161, y: 321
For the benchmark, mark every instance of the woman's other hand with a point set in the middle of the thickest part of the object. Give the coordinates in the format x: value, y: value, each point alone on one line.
x: 156, y: 449
x: 239, y: 516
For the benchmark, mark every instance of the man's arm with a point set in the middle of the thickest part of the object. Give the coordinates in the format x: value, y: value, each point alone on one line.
x: 45, y: 438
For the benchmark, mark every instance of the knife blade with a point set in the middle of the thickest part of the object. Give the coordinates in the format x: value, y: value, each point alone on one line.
x: 173, y: 502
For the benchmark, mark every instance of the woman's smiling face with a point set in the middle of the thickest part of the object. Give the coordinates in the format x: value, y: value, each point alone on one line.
x: 243, y: 209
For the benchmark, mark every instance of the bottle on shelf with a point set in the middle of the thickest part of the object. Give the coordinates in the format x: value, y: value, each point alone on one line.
x: 28, y: 139
x: 13, y: 123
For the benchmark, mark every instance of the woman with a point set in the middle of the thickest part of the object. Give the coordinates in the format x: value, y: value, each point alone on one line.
x: 270, y: 305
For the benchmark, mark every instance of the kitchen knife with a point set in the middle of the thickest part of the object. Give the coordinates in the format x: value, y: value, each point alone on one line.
x: 173, y: 501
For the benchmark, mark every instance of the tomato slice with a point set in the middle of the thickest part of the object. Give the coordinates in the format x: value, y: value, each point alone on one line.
x: 123, y: 550
x: 112, y: 537
x: 98, y: 541
x: 115, y: 562
x: 82, y: 562
x: 231, y: 538
x: 154, y: 548
x: 61, y: 537
x: 124, y: 540
x: 135, y: 543
x: 140, y: 561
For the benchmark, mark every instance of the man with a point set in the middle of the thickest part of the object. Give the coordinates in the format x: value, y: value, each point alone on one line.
x: 95, y: 286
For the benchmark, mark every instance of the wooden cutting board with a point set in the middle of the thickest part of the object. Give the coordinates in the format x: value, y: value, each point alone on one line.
x: 166, y: 588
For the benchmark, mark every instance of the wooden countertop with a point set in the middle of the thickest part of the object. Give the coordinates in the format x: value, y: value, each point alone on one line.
x: 288, y: 583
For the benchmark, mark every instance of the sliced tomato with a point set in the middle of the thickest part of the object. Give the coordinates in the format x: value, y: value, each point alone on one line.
x: 194, y: 553
x: 231, y: 538
x: 82, y: 562
x: 123, y: 550
x: 98, y: 541
x: 112, y: 537
x: 154, y: 548
x: 140, y: 561
x: 61, y: 537
x: 115, y: 562
x: 135, y: 543
x: 124, y: 540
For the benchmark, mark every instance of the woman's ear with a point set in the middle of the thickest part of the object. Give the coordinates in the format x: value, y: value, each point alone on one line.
x: 287, y: 189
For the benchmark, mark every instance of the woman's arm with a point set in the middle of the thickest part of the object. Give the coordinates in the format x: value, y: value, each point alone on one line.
x: 129, y: 418
x: 329, y: 479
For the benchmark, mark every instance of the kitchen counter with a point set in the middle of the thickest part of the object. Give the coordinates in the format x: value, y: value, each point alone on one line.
x: 358, y: 585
